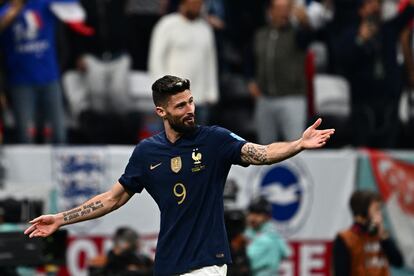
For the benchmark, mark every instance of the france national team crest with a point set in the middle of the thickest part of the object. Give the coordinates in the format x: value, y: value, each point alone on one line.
x: 288, y: 187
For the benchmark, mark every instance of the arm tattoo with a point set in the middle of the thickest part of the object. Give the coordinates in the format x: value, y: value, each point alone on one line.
x: 254, y: 154
x: 82, y: 211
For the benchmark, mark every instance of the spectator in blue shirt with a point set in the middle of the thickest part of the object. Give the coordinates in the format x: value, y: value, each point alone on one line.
x: 27, y: 40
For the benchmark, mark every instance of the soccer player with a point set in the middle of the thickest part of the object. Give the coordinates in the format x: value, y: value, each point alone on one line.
x: 184, y: 168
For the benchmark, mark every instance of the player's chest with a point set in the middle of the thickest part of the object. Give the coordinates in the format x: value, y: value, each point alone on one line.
x: 179, y: 164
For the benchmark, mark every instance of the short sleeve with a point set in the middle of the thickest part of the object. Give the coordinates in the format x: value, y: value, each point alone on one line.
x: 131, y: 179
x: 229, y: 145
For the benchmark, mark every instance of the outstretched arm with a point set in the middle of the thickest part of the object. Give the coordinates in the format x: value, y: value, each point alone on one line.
x: 268, y: 154
x: 95, y: 207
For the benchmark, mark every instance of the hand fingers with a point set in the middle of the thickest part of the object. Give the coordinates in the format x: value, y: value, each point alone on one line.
x: 327, y: 131
x: 38, y: 219
x: 317, y: 123
x: 325, y: 137
x: 35, y: 233
x: 30, y: 229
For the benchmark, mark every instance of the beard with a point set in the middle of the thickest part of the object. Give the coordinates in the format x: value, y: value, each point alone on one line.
x: 179, y: 125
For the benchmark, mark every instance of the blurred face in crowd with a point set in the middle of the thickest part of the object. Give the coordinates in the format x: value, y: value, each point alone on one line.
x: 191, y: 9
x: 179, y: 112
x: 370, y: 9
x: 280, y: 11
x: 373, y: 219
x: 256, y: 220
x: 374, y: 211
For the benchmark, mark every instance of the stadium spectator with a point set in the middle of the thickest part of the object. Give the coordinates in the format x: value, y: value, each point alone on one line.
x: 366, y: 248
x: 124, y: 258
x: 103, y: 56
x: 265, y: 247
x: 27, y: 40
x: 370, y: 64
x: 279, y: 84
x: 182, y: 43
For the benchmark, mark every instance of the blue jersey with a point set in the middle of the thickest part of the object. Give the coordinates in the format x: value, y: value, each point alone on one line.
x: 29, y: 46
x: 186, y: 179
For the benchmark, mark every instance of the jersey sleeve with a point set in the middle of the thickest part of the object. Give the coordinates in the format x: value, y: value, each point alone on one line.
x: 131, y: 179
x: 229, y: 145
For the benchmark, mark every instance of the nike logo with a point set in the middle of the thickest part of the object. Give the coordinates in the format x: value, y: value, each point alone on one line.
x: 154, y: 166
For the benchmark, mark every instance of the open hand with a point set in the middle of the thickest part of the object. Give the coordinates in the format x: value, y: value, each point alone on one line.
x: 42, y: 226
x: 315, y: 138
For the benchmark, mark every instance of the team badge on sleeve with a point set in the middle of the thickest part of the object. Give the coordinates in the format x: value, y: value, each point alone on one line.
x: 176, y: 164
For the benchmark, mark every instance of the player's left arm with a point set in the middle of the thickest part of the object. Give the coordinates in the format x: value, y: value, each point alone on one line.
x: 312, y: 138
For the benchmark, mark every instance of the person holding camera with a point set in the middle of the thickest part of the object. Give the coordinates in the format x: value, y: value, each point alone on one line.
x: 366, y: 248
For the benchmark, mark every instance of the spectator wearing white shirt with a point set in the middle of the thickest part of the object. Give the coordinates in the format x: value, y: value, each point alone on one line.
x: 182, y: 44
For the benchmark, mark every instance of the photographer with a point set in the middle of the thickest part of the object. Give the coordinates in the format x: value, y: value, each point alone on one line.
x: 366, y: 248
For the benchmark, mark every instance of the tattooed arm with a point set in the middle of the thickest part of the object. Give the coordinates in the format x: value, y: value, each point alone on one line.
x: 95, y: 207
x: 268, y: 154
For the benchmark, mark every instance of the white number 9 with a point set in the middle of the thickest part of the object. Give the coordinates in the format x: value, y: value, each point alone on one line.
x: 180, y: 192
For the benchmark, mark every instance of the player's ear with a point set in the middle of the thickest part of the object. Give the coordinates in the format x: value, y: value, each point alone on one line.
x: 160, y: 111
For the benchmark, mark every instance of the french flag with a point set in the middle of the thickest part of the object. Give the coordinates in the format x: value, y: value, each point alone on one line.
x: 73, y: 14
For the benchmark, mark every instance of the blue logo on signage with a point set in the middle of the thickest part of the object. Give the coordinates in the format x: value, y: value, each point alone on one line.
x: 284, y: 192
x: 288, y: 187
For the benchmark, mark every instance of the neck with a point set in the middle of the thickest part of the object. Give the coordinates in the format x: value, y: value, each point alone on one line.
x: 171, y: 134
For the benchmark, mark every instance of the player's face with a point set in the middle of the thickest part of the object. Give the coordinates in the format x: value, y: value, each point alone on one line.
x: 179, y: 112
x: 255, y: 220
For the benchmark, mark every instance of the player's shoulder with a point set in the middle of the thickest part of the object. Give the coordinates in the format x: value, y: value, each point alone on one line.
x: 220, y: 132
x: 153, y: 141
x: 212, y: 129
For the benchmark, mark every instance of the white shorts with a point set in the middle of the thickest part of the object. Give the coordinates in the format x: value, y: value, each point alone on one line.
x: 213, y: 270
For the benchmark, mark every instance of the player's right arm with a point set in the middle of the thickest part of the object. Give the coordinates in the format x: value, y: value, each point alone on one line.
x: 95, y: 207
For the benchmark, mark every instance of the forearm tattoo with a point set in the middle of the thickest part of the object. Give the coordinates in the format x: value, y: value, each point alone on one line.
x: 82, y: 211
x: 254, y: 154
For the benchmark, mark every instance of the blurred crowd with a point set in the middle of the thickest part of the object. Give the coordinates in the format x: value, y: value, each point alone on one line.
x: 252, y: 67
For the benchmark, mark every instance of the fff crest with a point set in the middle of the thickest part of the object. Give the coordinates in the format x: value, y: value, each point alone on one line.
x: 196, y: 157
x: 176, y: 164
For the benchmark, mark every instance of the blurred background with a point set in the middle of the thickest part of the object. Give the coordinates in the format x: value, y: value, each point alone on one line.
x: 75, y: 97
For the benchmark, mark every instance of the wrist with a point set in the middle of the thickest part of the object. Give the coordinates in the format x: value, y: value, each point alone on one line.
x: 300, y: 144
x: 59, y: 219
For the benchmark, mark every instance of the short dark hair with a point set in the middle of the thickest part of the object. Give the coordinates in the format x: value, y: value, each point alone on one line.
x: 167, y: 86
x: 126, y: 234
x: 361, y: 200
x: 260, y: 205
